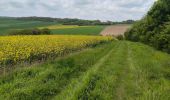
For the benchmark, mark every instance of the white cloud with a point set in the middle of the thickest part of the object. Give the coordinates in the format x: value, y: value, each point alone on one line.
x: 116, y: 10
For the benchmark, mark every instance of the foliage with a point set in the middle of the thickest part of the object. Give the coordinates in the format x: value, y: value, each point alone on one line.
x: 153, y: 29
x: 120, y: 37
x: 44, y: 31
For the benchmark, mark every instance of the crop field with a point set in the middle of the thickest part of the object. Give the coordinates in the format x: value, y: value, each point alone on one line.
x: 74, y: 29
x: 8, y: 25
x: 115, y: 30
x: 20, y: 48
x: 81, y: 30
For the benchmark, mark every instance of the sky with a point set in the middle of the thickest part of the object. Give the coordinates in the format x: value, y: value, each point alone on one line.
x: 113, y: 10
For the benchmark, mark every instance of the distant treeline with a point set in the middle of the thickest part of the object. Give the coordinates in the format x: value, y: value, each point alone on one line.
x: 154, y: 28
x: 35, y: 31
x: 69, y: 21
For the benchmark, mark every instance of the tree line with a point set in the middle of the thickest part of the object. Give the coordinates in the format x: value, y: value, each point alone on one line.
x: 34, y: 31
x: 74, y: 21
x: 154, y: 28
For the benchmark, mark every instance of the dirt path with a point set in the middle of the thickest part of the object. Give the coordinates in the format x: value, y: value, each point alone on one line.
x: 115, y: 30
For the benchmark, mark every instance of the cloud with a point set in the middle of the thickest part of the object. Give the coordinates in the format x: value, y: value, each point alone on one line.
x: 116, y: 10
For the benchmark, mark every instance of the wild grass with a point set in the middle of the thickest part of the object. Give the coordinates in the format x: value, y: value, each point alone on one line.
x: 49, y: 79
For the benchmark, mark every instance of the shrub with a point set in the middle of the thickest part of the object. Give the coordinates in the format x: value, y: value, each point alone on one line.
x: 153, y: 29
x: 35, y: 31
x: 120, y: 37
x: 46, y: 31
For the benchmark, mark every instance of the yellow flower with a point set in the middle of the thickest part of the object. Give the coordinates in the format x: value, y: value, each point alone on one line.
x: 17, y: 48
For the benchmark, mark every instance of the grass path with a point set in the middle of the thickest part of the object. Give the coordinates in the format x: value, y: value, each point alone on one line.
x: 120, y: 70
x: 77, y: 86
x: 123, y: 75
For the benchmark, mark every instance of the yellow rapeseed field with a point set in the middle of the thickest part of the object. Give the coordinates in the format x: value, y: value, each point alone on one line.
x: 27, y: 48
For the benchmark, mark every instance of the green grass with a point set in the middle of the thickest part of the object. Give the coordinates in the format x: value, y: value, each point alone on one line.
x: 120, y: 70
x: 49, y: 79
x: 8, y: 24
x: 91, y: 30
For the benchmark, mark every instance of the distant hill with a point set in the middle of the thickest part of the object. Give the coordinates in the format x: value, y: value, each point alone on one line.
x: 154, y: 28
x: 65, y: 21
x: 70, y: 21
x: 10, y: 24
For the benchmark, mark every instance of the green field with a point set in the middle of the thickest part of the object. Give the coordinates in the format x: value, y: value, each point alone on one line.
x: 9, y: 24
x: 120, y: 70
x: 90, y: 30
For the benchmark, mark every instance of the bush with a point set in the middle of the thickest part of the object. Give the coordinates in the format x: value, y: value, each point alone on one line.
x: 35, y: 31
x: 153, y: 29
x: 120, y: 37
x: 161, y: 42
x: 46, y: 31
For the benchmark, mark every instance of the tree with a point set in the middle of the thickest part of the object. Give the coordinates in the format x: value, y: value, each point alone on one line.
x: 153, y: 28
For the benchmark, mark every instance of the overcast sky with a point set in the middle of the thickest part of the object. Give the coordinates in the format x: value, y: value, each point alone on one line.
x: 114, y: 10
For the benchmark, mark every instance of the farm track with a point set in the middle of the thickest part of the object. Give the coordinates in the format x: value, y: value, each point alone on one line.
x: 83, y: 84
x: 116, y: 76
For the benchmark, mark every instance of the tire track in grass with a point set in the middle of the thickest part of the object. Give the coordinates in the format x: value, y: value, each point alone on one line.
x: 122, y: 75
x: 87, y: 92
x: 96, y: 77
x: 129, y: 74
x: 113, y: 77
x: 132, y: 88
x: 78, y: 85
x: 63, y: 69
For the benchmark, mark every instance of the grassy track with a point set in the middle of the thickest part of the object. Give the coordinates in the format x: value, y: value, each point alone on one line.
x: 48, y: 80
x: 134, y: 72
x: 76, y: 86
x: 115, y: 71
